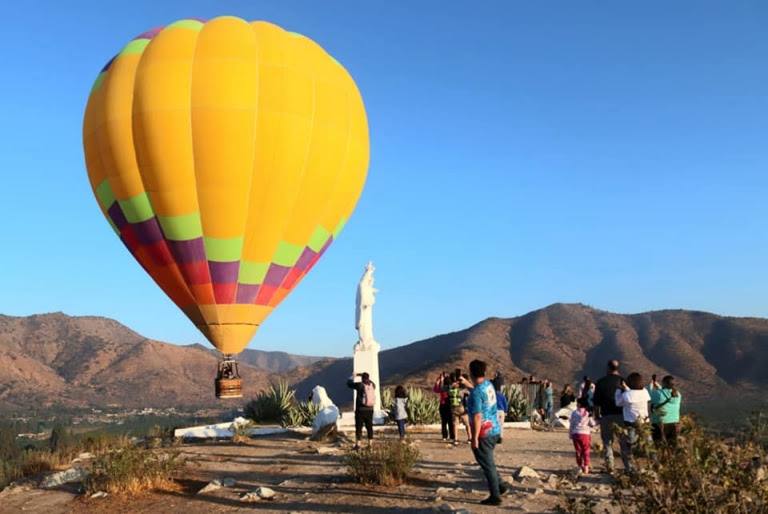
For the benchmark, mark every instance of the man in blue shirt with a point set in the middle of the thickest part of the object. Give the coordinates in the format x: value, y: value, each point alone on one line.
x: 484, y: 420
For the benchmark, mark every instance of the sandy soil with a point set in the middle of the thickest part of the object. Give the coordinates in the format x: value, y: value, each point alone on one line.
x: 309, y: 477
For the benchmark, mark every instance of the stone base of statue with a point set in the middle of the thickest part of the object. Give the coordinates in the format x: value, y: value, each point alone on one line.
x: 366, y: 360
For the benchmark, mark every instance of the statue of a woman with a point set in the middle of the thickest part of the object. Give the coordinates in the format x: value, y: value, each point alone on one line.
x: 364, y: 312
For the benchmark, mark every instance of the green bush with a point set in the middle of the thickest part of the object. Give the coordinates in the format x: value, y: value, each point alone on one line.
x: 133, y: 469
x: 387, y: 463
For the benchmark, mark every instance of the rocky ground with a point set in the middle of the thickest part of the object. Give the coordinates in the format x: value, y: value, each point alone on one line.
x: 309, y: 477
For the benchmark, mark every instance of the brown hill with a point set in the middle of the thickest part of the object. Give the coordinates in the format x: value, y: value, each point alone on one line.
x: 273, y: 362
x: 55, y: 359
x: 712, y: 356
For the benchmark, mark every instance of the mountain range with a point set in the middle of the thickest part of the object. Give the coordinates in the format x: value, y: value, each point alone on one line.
x: 55, y: 359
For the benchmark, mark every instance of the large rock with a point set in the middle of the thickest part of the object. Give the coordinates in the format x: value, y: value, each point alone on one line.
x: 526, y: 472
x: 68, y: 476
x: 217, y: 483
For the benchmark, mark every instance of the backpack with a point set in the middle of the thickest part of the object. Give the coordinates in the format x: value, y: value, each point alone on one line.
x: 453, y: 396
x: 369, y: 394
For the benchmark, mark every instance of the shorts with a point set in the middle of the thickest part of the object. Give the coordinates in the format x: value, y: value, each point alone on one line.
x: 458, y: 412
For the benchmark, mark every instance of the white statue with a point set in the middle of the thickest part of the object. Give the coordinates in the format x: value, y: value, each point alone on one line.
x: 364, y: 313
x: 327, y: 418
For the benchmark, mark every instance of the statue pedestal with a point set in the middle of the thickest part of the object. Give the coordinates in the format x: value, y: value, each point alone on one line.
x: 366, y: 360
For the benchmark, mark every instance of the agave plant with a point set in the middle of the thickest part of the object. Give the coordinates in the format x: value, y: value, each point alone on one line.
x: 518, y: 406
x: 301, y: 414
x: 271, y: 406
x: 388, y: 403
x: 424, y: 409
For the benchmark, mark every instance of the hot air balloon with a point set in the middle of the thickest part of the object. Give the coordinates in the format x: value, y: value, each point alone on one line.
x: 227, y: 156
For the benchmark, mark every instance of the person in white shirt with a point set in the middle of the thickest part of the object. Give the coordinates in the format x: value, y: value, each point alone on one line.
x: 634, y: 399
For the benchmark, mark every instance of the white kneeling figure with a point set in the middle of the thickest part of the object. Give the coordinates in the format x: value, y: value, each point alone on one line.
x: 327, y: 415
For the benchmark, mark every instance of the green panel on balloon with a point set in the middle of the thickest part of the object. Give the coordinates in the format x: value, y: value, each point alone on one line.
x: 105, y: 194
x: 338, y: 228
x: 136, y: 46
x: 99, y: 80
x: 287, y: 254
x: 223, y: 250
x: 181, y: 228
x: 185, y: 24
x: 137, y: 208
x: 252, y: 272
x: 318, y: 239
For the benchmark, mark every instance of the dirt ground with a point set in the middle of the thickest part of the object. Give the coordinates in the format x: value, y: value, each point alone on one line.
x: 309, y: 477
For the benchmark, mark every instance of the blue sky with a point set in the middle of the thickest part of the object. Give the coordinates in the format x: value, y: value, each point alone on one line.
x: 522, y: 153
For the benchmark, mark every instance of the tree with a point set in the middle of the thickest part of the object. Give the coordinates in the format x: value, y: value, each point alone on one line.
x: 61, y: 438
x: 9, y: 448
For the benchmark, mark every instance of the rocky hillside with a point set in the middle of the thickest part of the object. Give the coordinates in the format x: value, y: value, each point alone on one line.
x: 55, y: 359
x: 88, y: 361
x: 712, y: 356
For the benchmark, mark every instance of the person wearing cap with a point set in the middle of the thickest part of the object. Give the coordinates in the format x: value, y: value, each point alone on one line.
x: 498, y: 381
x: 363, y: 413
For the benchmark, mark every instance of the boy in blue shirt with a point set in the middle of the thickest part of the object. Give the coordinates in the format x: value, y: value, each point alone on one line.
x: 483, y: 410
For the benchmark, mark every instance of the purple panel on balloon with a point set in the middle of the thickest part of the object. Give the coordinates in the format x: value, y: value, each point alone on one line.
x: 109, y: 63
x: 148, y: 231
x: 149, y: 34
x: 192, y: 250
x: 306, y: 258
x: 276, y: 274
x: 224, y: 272
x: 117, y: 216
x: 246, y: 293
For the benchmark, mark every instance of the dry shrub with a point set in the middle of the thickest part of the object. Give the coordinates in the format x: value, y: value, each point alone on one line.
x: 134, y: 469
x: 386, y: 463
x: 702, y: 474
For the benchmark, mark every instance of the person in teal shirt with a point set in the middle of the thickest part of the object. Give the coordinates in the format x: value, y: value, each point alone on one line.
x: 483, y: 412
x: 665, y: 413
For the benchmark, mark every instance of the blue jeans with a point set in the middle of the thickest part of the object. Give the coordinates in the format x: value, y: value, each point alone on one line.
x: 401, y: 427
x: 606, y: 435
x: 484, y: 457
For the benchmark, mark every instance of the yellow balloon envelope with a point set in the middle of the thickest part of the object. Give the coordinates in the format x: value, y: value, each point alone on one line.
x: 227, y: 156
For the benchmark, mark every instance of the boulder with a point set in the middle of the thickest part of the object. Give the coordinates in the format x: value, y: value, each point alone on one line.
x: 68, y: 476
x: 526, y: 472
x: 217, y: 483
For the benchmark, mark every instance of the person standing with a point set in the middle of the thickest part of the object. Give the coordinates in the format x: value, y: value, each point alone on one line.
x: 446, y: 418
x: 567, y: 397
x: 634, y: 398
x: 502, y: 404
x: 484, y: 420
x: 580, y: 431
x: 607, y: 413
x: 665, y: 413
x: 498, y: 380
x: 401, y: 410
x: 364, y: 403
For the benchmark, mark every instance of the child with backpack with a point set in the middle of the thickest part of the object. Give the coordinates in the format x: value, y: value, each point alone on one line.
x: 580, y: 432
x: 401, y: 411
